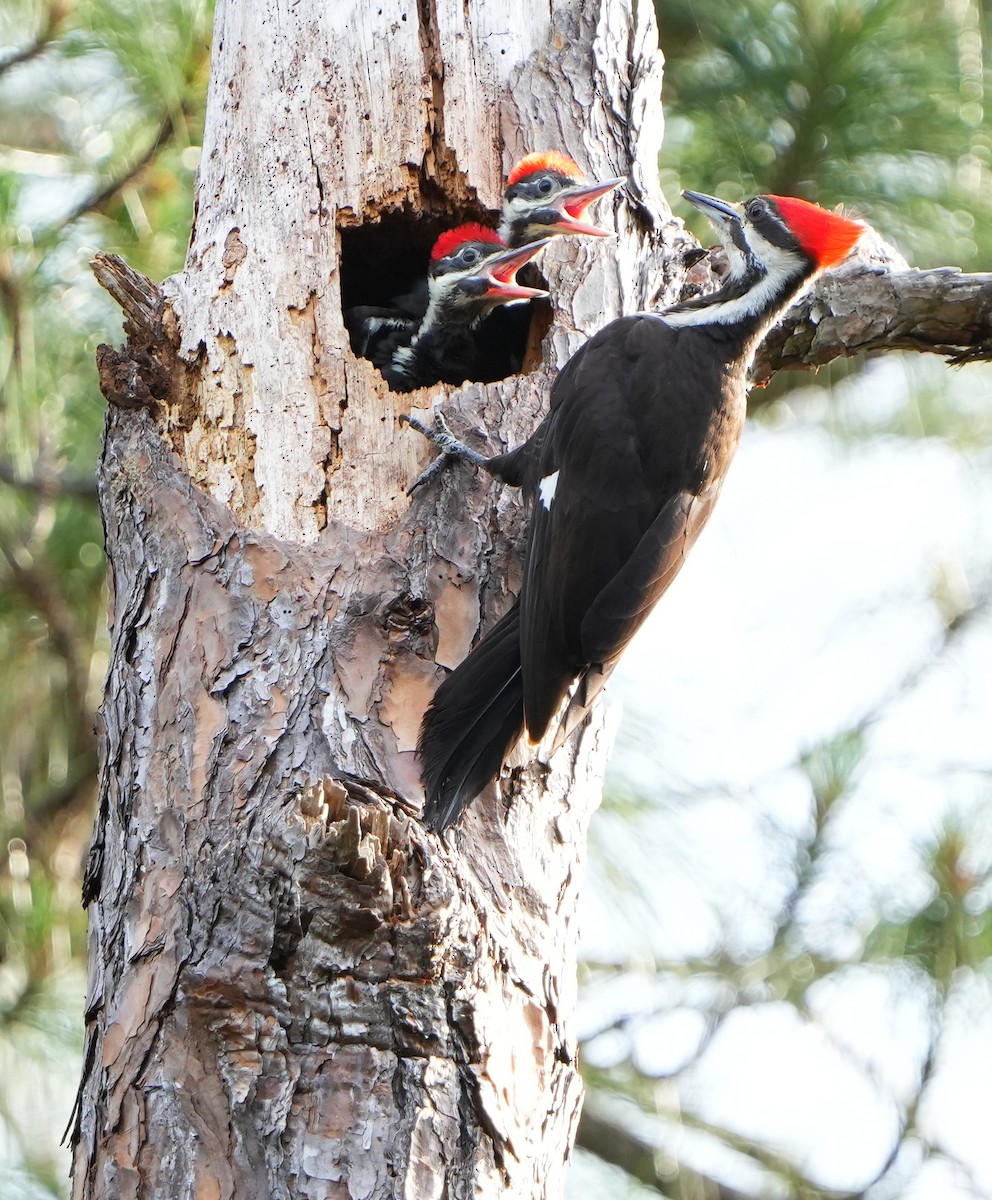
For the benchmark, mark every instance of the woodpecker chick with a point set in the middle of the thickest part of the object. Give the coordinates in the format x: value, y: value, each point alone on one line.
x: 622, y: 475
x: 545, y: 195
x: 471, y: 273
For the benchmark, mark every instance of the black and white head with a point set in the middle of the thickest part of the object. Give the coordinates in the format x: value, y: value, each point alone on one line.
x: 472, y: 272
x: 774, y: 244
x: 546, y: 195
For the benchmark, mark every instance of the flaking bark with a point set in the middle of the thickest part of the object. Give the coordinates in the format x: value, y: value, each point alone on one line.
x: 855, y: 311
x: 306, y: 994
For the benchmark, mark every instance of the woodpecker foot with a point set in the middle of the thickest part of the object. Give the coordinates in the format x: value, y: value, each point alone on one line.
x: 452, y: 450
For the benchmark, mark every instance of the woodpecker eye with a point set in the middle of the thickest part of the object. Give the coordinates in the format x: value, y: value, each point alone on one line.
x: 470, y: 255
x: 755, y: 209
x: 545, y: 186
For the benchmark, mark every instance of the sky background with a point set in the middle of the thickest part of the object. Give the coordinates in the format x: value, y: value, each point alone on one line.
x: 816, y: 595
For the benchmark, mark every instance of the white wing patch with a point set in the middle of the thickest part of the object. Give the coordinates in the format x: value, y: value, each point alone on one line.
x: 547, y: 488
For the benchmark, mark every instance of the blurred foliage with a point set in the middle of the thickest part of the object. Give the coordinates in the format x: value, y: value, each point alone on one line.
x: 101, y: 107
x: 874, y: 103
x: 803, y: 971
x: 652, y: 1023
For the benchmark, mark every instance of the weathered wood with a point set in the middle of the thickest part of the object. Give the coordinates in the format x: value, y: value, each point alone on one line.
x: 287, y: 1001
x: 854, y: 311
x: 141, y: 300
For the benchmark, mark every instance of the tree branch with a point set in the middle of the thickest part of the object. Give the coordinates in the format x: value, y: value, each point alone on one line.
x: 852, y: 311
x: 621, y: 1146
x: 140, y: 375
x: 33, y: 580
x: 142, y: 300
x: 47, y: 486
x: 54, y: 17
x: 109, y: 190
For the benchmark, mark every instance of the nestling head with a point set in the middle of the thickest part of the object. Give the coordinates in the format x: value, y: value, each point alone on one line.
x: 472, y: 269
x: 547, y: 195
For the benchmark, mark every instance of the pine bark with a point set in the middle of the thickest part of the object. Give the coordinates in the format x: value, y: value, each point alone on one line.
x: 856, y: 311
x: 295, y: 990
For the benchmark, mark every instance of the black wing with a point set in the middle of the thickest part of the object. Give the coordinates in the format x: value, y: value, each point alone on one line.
x: 623, y: 514
x: 377, y: 330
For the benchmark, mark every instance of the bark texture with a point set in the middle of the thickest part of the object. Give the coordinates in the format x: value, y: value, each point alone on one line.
x: 313, y: 997
x: 294, y: 990
x: 856, y: 311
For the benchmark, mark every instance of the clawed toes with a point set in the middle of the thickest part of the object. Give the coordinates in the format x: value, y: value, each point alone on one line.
x: 437, y: 466
x: 451, y: 449
x: 416, y: 423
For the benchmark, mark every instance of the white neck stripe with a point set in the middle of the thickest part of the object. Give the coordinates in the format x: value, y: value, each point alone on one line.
x: 430, y: 316
x: 741, y: 308
x: 780, y: 268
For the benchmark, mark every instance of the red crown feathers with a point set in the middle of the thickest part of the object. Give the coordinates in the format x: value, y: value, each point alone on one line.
x: 827, y: 237
x: 451, y: 239
x: 550, y: 161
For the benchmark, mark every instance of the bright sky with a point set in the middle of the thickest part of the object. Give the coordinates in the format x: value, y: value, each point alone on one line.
x: 802, y: 610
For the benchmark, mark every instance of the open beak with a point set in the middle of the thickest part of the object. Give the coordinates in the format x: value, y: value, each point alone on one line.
x: 501, y: 270
x: 573, y: 203
x: 718, y: 211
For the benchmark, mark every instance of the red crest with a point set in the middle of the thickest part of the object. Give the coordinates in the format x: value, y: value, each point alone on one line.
x: 451, y: 239
x: 826, y: 237
x: 550, y: 161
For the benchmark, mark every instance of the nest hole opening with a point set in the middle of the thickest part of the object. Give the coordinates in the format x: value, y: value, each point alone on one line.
x: 383, y: 271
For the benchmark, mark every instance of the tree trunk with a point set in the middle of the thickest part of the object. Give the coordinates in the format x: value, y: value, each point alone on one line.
x: 295, y: 990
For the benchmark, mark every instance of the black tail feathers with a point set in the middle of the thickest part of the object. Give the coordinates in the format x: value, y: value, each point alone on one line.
x: 474, y: 719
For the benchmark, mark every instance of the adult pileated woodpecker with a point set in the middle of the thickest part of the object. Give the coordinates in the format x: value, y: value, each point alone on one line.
x: 544, y: 197
x: 622, y: 474
x: 471, y: 273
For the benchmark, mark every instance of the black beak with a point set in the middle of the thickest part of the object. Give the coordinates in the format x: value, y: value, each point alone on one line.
x: 718, y: 211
